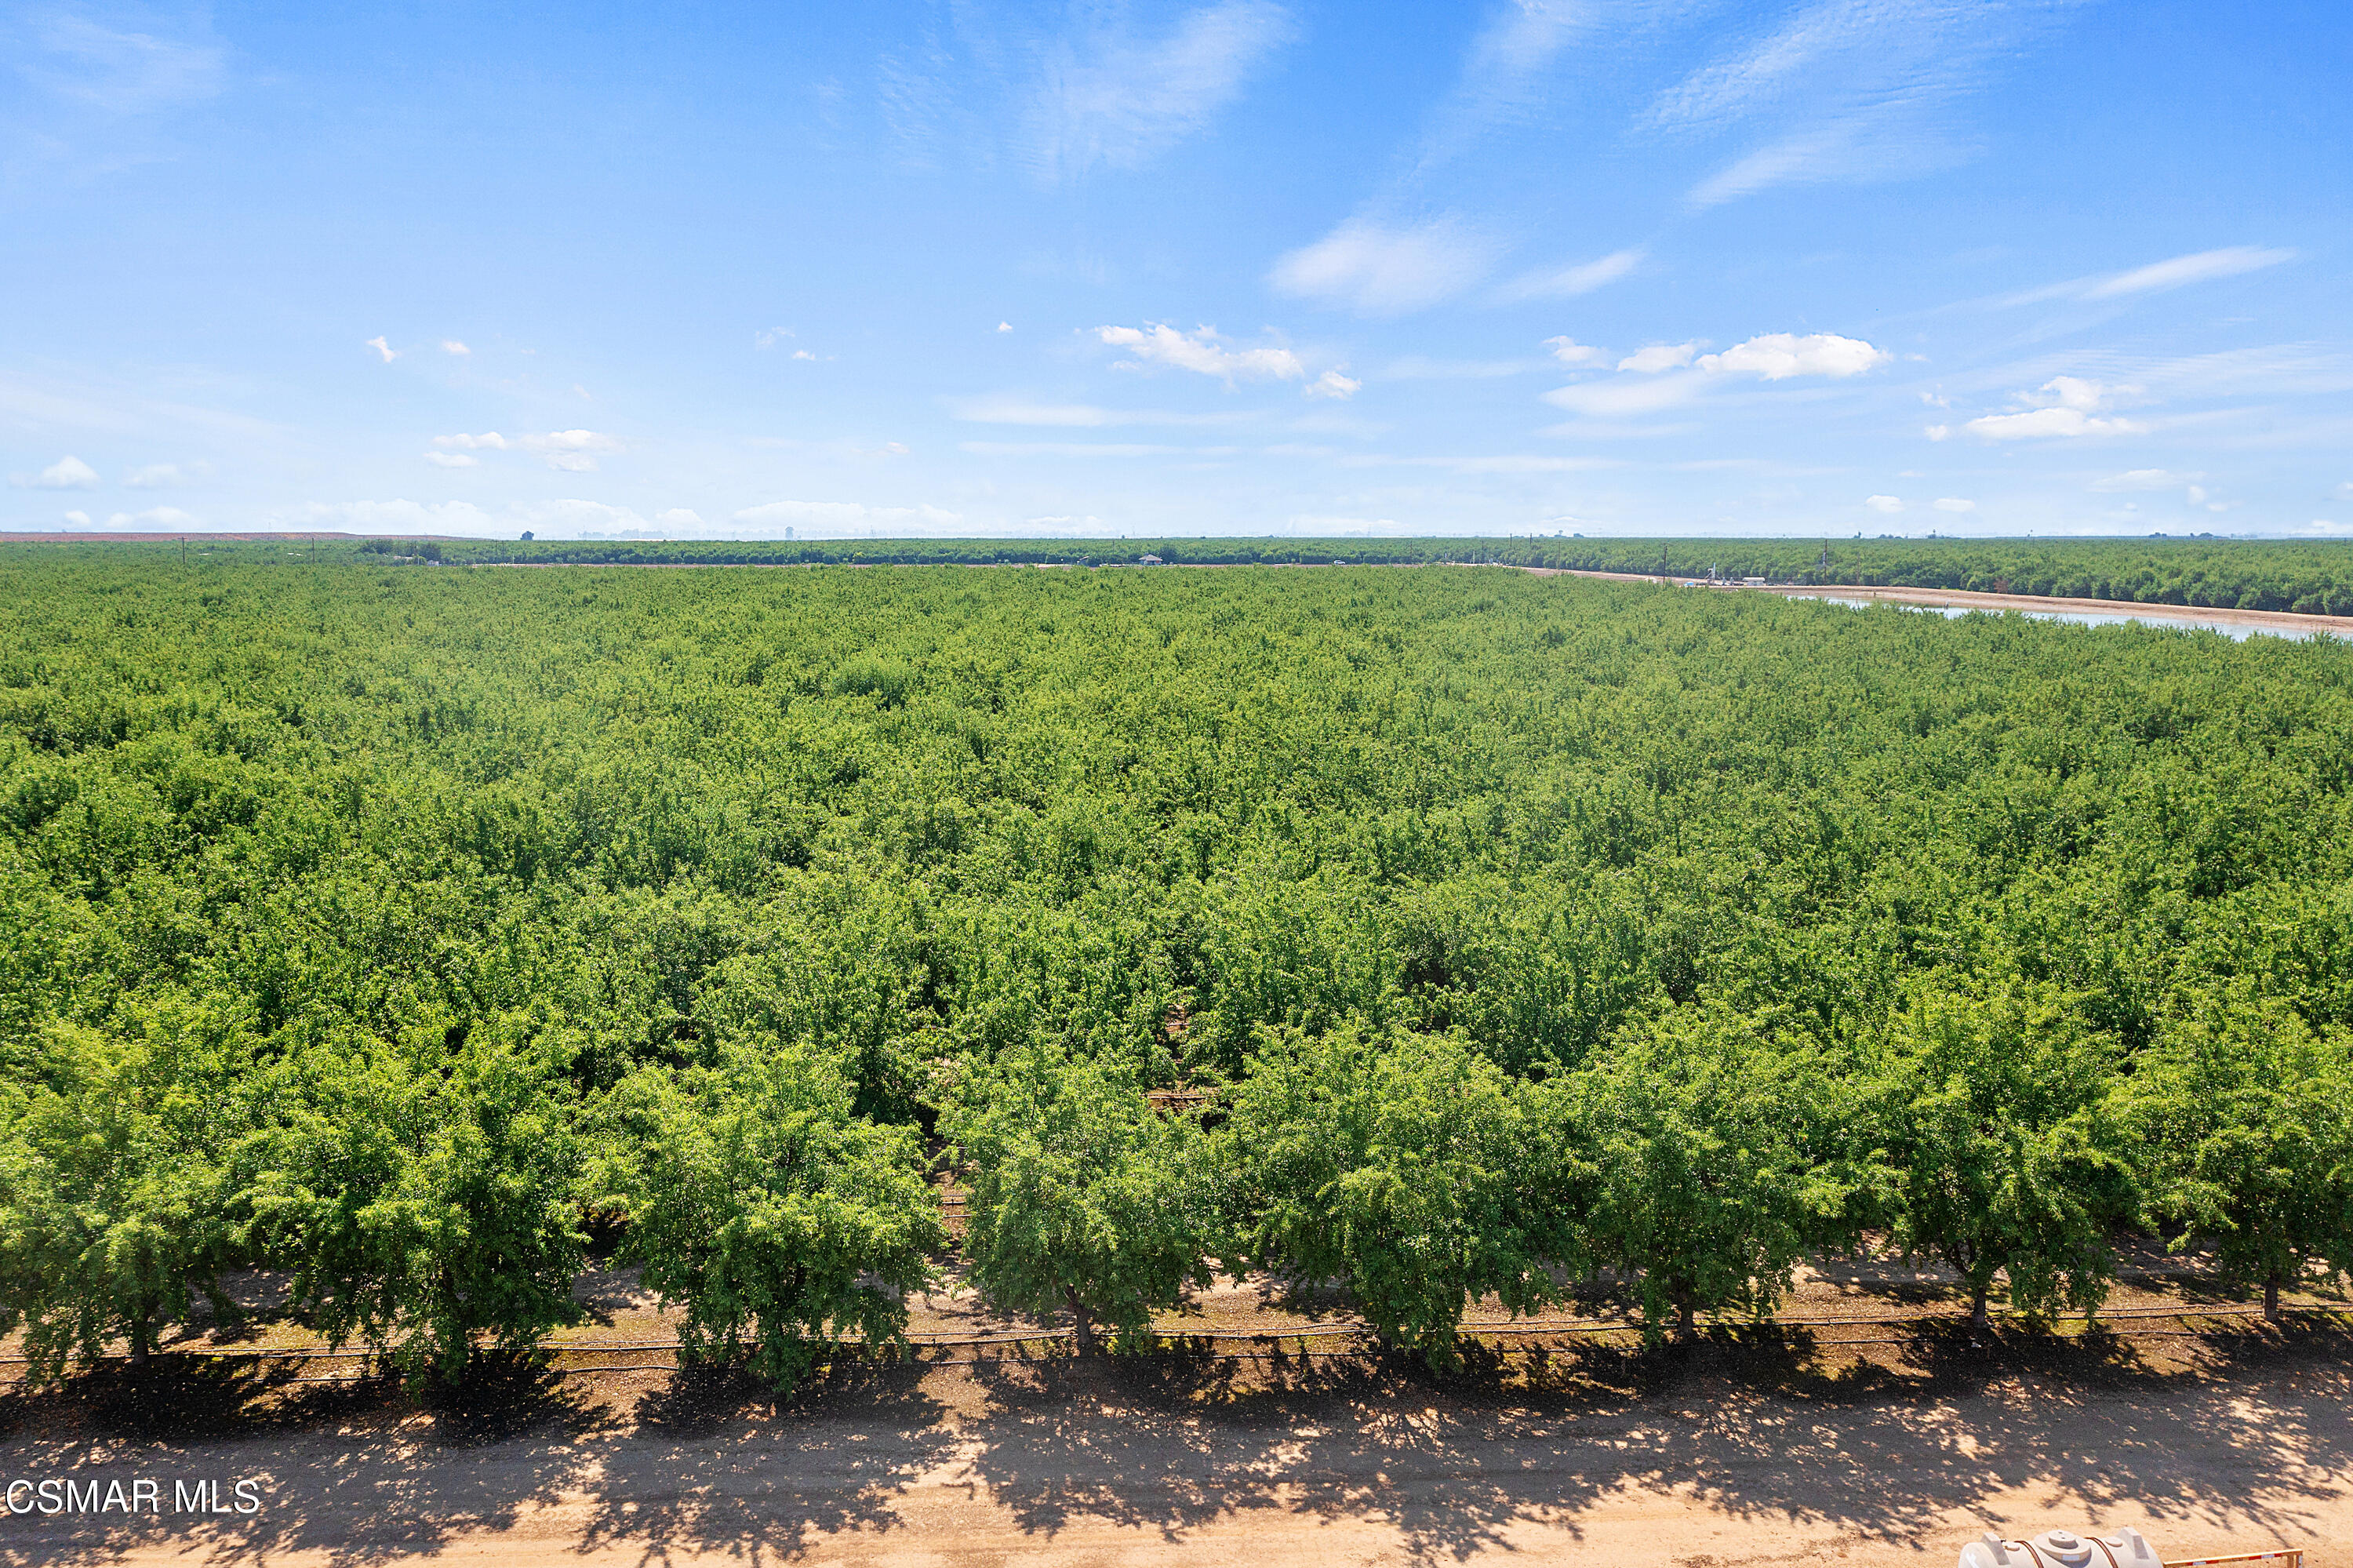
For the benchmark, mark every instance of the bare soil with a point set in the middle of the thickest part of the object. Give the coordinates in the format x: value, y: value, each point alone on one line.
x: 1851, y: 1431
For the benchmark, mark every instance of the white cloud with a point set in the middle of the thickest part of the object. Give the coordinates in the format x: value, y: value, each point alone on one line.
x: 1888, y: 504
x: 771, y: 337
x: 804, y: 353
x: 2067, y: 406
x: 1332, y: 384
x: 2227, y: 262
x: 1381, y: 270
x: 1776, y: 356
x: 1118, y: 103
x: 1938, y: 432
x: 166, y: 475
x: 1955, y: 503
x: 1567, y: 283
x: 451, y: 345
x: 2142, y: 479
x: 67, y: 473
x: 2323, y: 525
x: 1659, y: 357
x: 157, y: 518
x: 680, y: 518
x: 1203, y: 351
x: 1619, y: 399
x: 452, y: 460
x: 571, y: 451
x: 2063, y: 423
x: 1005, y: 326
x: 384, y: 348
x: 1569, y: 350
x: 1666, y: 375
x: 849, y: 517
x: 77, y: 519
x: 2344, y: 492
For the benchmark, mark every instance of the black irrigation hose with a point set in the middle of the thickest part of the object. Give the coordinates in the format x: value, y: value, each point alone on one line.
x: 1472, y: 1330
x: 1302, y: 1353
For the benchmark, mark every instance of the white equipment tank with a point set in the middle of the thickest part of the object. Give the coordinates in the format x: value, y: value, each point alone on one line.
x: 2127, y: 1547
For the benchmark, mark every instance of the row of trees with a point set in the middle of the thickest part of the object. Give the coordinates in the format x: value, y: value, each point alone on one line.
x: 398, y: 930
x: 424, y: 1209
x: 2303, y: 576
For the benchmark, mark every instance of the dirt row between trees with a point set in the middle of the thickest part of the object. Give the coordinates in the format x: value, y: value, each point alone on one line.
x: 1711, y: 1457
x: 1893, y: 1439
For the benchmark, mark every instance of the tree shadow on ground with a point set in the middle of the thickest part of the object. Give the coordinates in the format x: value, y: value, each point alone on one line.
x: 1756, y: 1426
x: 1776, y: 1427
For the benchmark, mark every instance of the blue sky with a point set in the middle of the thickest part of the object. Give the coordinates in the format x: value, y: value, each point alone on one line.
x: 1252, y: 266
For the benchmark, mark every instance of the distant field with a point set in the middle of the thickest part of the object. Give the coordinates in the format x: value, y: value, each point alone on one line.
x: 406, y: 933
x: 2311, y: 578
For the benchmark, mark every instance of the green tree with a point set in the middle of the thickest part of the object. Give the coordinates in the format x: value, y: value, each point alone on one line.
x: 1722, y: 1156
x: 1406, y: 1166
x: 110, y: 1217
x: 757, y: 1198
x: 2244, y: 1120
x: 1084, y: 1197
x: 2005, y: 1148
x: 423, y: 1201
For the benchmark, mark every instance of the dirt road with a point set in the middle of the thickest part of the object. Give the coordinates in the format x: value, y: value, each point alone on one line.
x: 1717, y: 1456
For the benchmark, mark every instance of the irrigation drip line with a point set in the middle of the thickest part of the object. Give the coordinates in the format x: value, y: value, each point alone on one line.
x: 1276, y: 1336
x: 1275, y: 1354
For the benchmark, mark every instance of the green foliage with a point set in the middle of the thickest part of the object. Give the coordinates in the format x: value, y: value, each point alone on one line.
x: 421, y: 1204
x: 110, y: 1172
x: 758, y: 1199
x: 1404, y: 1166
x: 477, y: 859
x: 2243, y: 1118
x: 1719, y: 1157
x: 2007, y: 1155
x: 1083, y: 1196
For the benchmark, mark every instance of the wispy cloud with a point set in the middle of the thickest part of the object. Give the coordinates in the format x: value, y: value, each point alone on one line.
x: 1203, y: 351
x: 117, y: 71
x: 1847, y: 90
x: 166, y: 475
x: 2205, y: 265
x: 572, y: 451
x: 1112, y: 100
x: 382, y: 347
x: 1568, y: 282
x: 1378, y: 270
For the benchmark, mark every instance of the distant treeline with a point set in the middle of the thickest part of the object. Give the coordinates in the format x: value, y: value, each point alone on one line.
x: 2308, y: 578
x: 2305, y: 577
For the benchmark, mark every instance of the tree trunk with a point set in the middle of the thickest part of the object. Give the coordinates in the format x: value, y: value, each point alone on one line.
x: 2270, y: 1297
x: 1687, y: 1321
x: 142, y: 1335
x: 1977, y: 1293
x: 1082, y: 1320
